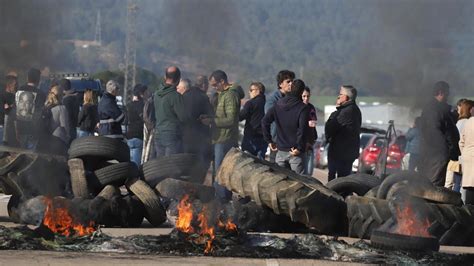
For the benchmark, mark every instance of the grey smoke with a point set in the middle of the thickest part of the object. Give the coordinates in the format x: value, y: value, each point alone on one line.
x: 32, y: 211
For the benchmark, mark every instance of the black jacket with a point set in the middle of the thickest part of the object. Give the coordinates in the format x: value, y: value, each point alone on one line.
x: 88, y: 117
x: 72, y: 106
x: 439, y: 135
x: 343, y: 132
x: 196, y: 134
x: 135, y: 119
x: 253, y: 113
x: 291, y: 121
x: 110, y: 117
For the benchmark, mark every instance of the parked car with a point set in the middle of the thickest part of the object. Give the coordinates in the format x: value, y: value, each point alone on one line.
x: 364, y: 140
x: 370, y: 156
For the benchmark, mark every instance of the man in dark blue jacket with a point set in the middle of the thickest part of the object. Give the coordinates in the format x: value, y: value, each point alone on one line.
x: 290, y: 115
x: 252, y: 113
x: 284, y: 80
x: 110, y: 115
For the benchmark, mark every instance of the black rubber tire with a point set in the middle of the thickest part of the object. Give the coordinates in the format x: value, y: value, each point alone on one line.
x: 136, y: 211
x: 358, y: 184
x: 387, y: 240
x: 365, y: 215
x: 116, y: 174
x: 109, y: 191
x: 176, y: 189
x: 10, y: 162
x: 395, y: 178
x: 285, y: 192
x: 372, y: 193
x: 174, y: 165
x: 102, y: 147
x: 13, y: 203
x: 155, y: 213
x: 79, y: 184
x: 426, y: 191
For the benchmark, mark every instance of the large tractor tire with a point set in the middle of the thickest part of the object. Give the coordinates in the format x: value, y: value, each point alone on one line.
x: 303, y: 199
x: 452, y: 225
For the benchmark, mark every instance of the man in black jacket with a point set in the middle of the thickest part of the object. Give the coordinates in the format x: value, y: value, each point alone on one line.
x: 439, y: 136
x: 134, y: 122
x: 343, y: 133
x: 253, y: 112
x: 290, y: 115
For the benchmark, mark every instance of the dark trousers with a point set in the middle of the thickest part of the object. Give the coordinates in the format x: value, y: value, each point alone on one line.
x: 166, y: 145
x: 255, y: 145
x: 469, y: 195
x: 220, y: 150
x: 338, y: 167
x: 434, y: 169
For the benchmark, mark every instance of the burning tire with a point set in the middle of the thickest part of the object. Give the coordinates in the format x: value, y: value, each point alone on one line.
x: 390, y: 180
x: 174, y: 165
x: 116, y: 174
x: 135, y: 211
x: 102, y: 147
x: 396, y: 241
x: 176, y: 189
x: 365, y: 215
x: 301, y: 198
x: 79, y: 184
x: 358, y: 184
x: 155, y: 213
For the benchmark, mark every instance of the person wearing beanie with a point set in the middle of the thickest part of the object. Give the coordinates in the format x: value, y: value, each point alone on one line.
x: 291, y: 117
x: 72, y: 104
x: 110, y: 115
x: 134, y: 122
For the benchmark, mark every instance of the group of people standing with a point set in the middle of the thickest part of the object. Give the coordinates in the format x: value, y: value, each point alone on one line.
x: 441, y: 143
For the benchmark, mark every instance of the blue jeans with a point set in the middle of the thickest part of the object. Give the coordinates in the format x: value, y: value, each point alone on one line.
x: 168, y: 144
x: 309, y: 163
x: 255, y: 145
x: 457, y: 182
x: 339, y: 167
x: 220, y: 150
x: 28, y: 142
x: 136, y: 148
x: 83, y: 133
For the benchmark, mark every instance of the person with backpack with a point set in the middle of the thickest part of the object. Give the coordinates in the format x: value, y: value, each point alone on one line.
x: 29, y: 102
x: 55, y: 135
x: 88, y: 116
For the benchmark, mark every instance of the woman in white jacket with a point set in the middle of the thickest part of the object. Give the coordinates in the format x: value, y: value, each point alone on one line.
x: 466, y: 144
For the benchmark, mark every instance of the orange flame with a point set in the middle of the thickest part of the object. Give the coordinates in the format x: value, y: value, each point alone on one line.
x: 185, y: 216
x: 409, y: 224
x: 59, y: 221
x: 206, y: 230
x: 228, y: 226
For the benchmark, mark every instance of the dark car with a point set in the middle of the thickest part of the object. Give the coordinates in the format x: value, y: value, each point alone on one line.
x: 79, y: 83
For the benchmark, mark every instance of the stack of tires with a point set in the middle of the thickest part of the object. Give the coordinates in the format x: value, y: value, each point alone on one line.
x: 99, y: 166
x: 373, y: 215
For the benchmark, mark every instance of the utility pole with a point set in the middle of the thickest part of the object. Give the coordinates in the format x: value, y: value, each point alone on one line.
x: 98, y: 30
x: 130, y: 49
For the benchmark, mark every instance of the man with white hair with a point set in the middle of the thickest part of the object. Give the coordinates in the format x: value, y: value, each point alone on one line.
x: 110, y: 115
x: 183, y: 86
x: 343, y: 133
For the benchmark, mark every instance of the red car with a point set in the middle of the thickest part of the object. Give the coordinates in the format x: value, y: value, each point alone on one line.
x: 370, y: 155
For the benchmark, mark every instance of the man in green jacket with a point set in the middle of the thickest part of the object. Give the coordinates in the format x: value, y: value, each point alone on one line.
x: 226, y: 122
x: 170, y: 114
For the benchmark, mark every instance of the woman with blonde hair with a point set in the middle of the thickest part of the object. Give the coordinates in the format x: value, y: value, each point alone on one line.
x: 88, y: 116
x: 55, y: 123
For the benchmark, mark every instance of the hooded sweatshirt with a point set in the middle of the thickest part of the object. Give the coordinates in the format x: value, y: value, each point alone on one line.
x: 169, y: 111
x: 290, y: 115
